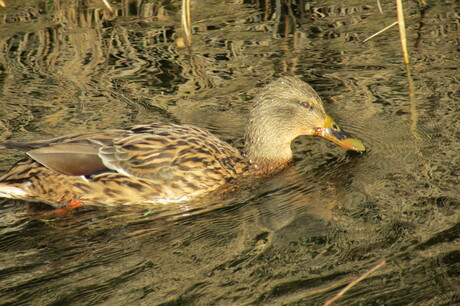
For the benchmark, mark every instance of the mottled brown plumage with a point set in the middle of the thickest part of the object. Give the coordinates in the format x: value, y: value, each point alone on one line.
x: 165, y: 162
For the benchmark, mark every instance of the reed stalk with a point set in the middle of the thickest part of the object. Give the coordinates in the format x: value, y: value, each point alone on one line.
x: 107, y: 5
x: 381, y: 31
x: 360, y: 278
x: 402, y: 30
x: 186, y: 23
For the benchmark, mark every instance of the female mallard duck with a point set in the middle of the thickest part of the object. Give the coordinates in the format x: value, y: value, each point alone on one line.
x: 165, y: 162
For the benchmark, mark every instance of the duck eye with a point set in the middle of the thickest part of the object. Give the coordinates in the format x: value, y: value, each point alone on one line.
x: 335, y: 127
x: 305, y: 104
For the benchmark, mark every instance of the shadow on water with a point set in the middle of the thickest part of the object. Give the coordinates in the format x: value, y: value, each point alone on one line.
x: 295, y: 238
x: 98, y: 254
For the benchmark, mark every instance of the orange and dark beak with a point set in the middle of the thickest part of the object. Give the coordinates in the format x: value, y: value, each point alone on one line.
x: 331, y: 131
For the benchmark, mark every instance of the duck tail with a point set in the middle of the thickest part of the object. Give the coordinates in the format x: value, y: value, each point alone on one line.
x: 17, y: 146
x: 14, y: 183
x: 12, y: 192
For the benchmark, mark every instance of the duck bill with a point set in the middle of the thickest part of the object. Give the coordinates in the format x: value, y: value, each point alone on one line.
x: 331, y: 131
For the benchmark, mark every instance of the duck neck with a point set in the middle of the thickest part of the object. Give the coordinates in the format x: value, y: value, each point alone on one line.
x: 267, y: 152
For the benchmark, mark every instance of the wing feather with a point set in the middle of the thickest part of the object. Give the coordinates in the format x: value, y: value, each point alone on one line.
x: 162, y: 152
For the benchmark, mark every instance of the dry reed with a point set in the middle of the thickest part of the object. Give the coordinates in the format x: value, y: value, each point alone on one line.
x: 402, y: 30
x: 186, y: 23
x: 364, y: 275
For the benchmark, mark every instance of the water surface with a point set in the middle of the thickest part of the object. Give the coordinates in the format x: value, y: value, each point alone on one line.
x: 296, y: 238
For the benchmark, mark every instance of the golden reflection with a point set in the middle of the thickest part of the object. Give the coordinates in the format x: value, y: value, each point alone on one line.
x: 73, y: 66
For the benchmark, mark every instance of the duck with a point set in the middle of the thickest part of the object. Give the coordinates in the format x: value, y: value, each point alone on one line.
x: 168, y: 162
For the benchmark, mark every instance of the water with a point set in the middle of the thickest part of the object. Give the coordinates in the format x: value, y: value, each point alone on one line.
x: 296, y: 238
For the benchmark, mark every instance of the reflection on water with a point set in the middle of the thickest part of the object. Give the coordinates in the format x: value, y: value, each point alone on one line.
x: 298, y: 237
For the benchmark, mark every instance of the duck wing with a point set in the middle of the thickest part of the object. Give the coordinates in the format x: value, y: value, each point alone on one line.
x: 76, y: 154
x: 159, y: 151
x: 166, y: 152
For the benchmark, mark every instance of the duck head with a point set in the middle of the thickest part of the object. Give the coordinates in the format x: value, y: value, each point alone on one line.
x: 285, y: 109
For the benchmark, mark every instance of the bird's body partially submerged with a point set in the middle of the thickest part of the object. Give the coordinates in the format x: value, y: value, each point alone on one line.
x: 164, y: 162
x: 154, y: 163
